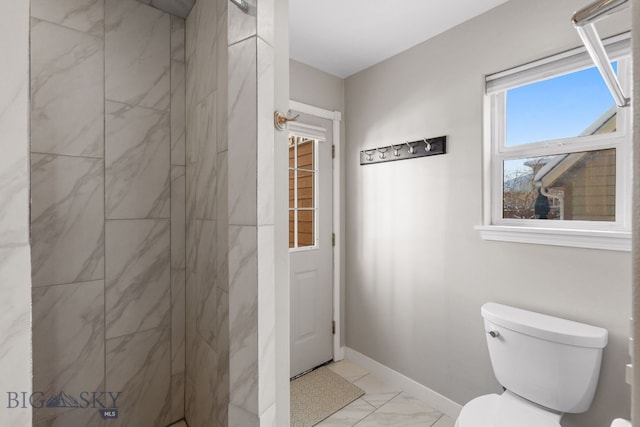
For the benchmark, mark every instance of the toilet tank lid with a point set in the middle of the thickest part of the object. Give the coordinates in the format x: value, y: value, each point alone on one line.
x: 545, y: 327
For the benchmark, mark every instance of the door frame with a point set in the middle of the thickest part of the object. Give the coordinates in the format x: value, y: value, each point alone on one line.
x: 336, y: 118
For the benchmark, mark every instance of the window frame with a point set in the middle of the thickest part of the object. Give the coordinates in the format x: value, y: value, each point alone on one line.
x: 614, y: 235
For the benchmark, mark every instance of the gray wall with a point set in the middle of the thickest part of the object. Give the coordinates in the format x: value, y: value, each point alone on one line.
x: 108, y: 202
x: 417, y: 271
x: 15, y: 258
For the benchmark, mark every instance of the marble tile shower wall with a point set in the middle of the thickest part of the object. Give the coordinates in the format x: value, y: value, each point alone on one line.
x: 108, y: 214
x: 230, y: 238
x: 207, y: 326
x: 15, y: 314
x: 251, y: 216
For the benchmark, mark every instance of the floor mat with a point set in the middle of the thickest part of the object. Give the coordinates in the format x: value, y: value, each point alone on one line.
x: 318, y: 394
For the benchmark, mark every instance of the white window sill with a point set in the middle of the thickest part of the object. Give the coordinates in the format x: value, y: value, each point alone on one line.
x: 592, y: 239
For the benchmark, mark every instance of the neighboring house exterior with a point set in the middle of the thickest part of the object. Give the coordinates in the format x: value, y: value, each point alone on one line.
x: 577, y: 186
x: 306, y: 177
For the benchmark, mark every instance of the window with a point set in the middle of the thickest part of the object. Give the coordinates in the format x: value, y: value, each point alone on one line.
x: 302, y: 185
x: 558, y: 154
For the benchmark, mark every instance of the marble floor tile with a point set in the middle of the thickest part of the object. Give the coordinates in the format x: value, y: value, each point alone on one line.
x: 402, y: 410
x: 377, y: 392
x: 348, y: 370
x: 350, y: 415
x: 444, y: 421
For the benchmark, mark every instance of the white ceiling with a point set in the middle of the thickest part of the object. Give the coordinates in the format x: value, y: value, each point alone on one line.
x: 343, y: 37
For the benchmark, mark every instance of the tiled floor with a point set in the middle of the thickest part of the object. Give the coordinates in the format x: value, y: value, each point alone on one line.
x: 382, y: 405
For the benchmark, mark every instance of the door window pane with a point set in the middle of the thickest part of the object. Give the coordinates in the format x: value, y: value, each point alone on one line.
x: 577, y: 186
x: 302, y: 192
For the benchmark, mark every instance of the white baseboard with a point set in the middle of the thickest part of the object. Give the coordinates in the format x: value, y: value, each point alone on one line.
x: 406, y: 384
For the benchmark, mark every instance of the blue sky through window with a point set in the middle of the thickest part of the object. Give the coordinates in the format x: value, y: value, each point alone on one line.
x: 561, y: 107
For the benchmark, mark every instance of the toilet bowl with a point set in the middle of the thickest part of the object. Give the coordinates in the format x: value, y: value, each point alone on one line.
x: 548, y: 366
x: 505, y: 410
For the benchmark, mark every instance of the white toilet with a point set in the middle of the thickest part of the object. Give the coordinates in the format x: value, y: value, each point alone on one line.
x: 548, y: 366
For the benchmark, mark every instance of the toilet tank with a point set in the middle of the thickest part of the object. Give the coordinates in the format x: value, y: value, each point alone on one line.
x: 550, y: 361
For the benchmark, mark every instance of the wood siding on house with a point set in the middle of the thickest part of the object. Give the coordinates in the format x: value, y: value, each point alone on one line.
x: 306, y: 192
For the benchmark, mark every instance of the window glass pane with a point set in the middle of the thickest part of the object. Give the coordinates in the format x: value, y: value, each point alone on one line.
x: 576, y: 186
x: 305, y: 189
x: 292, y: 242
x: 306, y: 228
x: 567, y: 106
x: 302, y: 175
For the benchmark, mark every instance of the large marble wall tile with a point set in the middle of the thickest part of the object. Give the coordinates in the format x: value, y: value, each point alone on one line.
x: 14, y: 124
x: 138, y: 275
x: 177, y: 39
x: 178, y: 218
x: 243, y: 317
x: 67, y: 218
x: 178, y: 116
x: 138, y: 47
x: 15, y: 268
x: 15, y: 328
x: 190, y: 33
x: 207, y: 291
x: 222, y: 236
x: 14, y: 171
x: 77, y: 417
x: 265, y: 18
x: 178, y: 313
x: 137, y: 159
x: 67, y: 91
x: 206, y: 113
x: 179, y: 8
x: 239, y: 417
x: 206, y: 47
x: 205, y: 385
x: 242, y: 133
x: 82, y: 15
x: 222, y: 346
x: 266, y: 317
x: 222, y: 89
x: 242, y: 25
x: 266, y: 134
x: 68, y: 344
x: 138, y: 365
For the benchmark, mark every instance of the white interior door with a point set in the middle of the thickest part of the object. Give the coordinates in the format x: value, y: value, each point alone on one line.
x: 310, y: 242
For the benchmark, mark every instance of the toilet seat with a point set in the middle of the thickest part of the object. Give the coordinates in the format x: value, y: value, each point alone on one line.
x: 505, y: 410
